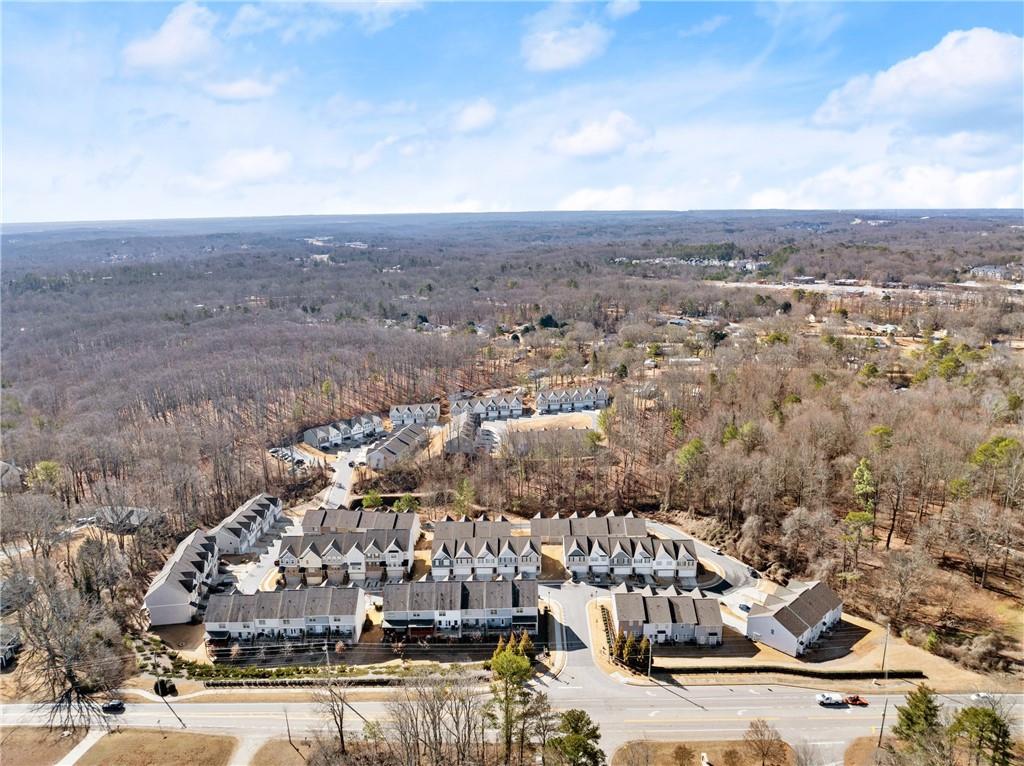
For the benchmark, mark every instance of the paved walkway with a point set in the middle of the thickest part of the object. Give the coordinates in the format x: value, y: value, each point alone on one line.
x: 91, y: 738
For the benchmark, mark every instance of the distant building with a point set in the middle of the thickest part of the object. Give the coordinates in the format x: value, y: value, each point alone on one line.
x: 174, y: 595
x: 240, y: 531
x: 344, y: 433
x: 792, y: 618
x: 123, y: 519
x: 420, y: 414
x: 572, y: 399
x: 497, y: 407
x: 401, y: 444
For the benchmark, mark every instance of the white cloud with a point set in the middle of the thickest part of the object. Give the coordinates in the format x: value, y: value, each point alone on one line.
x: 555, y: 40
x: 704, y: 28
x: 899, y: 185
x: 619, y: 9
x: 365, y: 160
x: 245, y: 88
x: 312, y: 21
x: 969, y: 70
x: 185, y: 36
x: 476, y: 116
x: 240, y: 167
x: 607, y: 136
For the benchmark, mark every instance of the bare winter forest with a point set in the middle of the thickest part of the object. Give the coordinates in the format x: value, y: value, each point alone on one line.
x: 153, y: 364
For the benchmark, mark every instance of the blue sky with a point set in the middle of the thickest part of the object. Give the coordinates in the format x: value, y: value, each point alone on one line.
x: 152, y: 110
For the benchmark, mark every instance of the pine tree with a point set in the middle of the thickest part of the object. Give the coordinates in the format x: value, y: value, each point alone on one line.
x: 499, y: 649
x: 918, y: 717
x: 526, y: 647
x: 514, y: 645
x: 643, y: 654
x: 629, y: 650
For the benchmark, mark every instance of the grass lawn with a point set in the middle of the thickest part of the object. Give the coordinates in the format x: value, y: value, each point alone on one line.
x: 149, y: 747
x: 35, y: 745
x: 861, y: 751
x: 280, y: 753
x: 646, y: 752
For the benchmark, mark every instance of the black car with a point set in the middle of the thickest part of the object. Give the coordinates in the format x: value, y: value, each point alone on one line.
x: 114, y: 706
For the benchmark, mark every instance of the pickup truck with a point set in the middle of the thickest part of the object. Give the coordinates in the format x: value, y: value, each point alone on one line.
x: 829, y: 698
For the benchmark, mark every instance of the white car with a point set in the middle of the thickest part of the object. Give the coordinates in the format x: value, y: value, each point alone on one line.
x: 982, y: 697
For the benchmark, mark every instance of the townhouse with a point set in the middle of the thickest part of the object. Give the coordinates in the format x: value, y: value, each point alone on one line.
x: 240, y: 531
x: 458, y: 609
x: 345, y: 433
x: 793, y: 617
x: 369, y: 554
x: 332, y: 520
x: 401, y: 444
x: 420, y: 414
x: 497, y: 407
x: 555, y: 529
x: 300, y: 614
x: 572, y: 399
x: 462, y: 557
x: 449, y: 528
x: 621, y: 557
x: 174, y: 594
x: 668, y: 616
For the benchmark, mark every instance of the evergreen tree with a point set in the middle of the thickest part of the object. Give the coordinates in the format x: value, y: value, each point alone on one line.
x: 499, y: 649
x: 526, y: 647
x: 918, y: 717
x: 629, y: 650
x: 985, y: 733
x: 577, y: 744
x: 514, y: 645
x: 643, y: 654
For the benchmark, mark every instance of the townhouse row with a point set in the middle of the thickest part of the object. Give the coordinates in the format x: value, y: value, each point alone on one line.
x: 668, y: 616
x: 622, y: 557
x: 473, y: 556
x: 572, y: 399
x: 337, y: 558
x: 792, y: 618
x: 290, y: 614
x: 240, y: 531
x: 460, y: 609
x: 345, y: 433
x: 178, y: 588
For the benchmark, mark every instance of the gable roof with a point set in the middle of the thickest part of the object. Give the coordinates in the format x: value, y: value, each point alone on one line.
x: 283, y: 604
x: 182, y: 570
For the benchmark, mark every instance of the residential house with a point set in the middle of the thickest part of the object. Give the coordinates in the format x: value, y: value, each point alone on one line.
x: 572, y: 399
x: 345, y: 433
x: 420, y: 414
x: 364, y: 555
x: 668, y: 616
x: 123, y: 519
x: 483, y: 557
x: 301, y: 614
x: 621, y: 557
x: 240, y: 531
x: 329, y: 520
x: 793, y: 617
x: 401, y: 444
x: 456, y: 609
x: 496, y: 407
x: 554, y: 529
x: 449, y: 528
x: 174, y: 595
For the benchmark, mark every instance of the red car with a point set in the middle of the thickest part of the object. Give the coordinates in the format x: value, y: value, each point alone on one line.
x: 855, y: 699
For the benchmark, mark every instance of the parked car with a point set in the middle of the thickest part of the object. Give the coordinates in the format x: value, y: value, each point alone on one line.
x: 744, y: 607
x: 829, y: 698
x: 754, y: 573
x: 113, y: 707
x: 717, y: 551
x: 855, y: 699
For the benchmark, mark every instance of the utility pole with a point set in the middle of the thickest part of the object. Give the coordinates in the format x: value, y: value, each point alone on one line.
x: 881, y: 729
x: 885, y: 650
x: 650, y: 658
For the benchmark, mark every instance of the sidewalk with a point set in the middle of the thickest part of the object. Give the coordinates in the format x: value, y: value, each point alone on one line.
x: 80, y: 749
